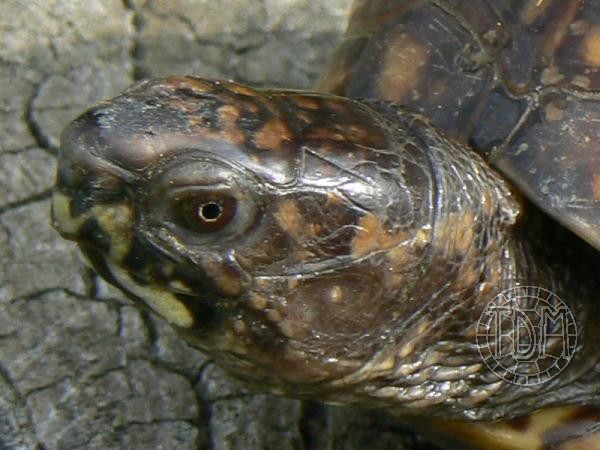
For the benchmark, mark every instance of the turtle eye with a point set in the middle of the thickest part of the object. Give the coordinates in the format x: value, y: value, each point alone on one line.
x: 206, y: 212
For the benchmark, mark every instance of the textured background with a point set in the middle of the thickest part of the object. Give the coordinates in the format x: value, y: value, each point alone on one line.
x: 79, y: 366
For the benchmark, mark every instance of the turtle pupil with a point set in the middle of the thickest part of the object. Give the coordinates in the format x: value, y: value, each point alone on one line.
x: 204, y: 213
x: 210, y: 212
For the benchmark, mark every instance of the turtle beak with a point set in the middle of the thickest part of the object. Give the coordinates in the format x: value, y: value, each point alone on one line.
x: 93, y: 205
x: 89, y: 194
x: 85, y: 179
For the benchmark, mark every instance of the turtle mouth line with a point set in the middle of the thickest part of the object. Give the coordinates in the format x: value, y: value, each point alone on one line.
x: 164, y: 302
x: 163, y: 298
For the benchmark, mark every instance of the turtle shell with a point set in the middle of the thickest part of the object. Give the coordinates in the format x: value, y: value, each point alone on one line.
x: 516, y: 80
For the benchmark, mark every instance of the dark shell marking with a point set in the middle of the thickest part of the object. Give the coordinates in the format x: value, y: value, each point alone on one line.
x: 518, y: 81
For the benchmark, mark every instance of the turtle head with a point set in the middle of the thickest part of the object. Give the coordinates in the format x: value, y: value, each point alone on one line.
x: 259, y: 223
x: 283, y: 233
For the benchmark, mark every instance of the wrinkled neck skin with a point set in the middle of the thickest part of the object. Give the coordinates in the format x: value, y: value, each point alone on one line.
x: 486, y: 241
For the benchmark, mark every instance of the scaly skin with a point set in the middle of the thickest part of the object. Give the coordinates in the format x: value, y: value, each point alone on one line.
x: 321, y: 247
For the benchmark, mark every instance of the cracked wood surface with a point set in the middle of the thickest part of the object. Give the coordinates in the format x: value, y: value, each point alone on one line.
x: 79, y: 366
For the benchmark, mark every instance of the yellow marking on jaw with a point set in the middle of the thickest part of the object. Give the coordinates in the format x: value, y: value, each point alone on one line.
x: 61, y: 213
x: 164, y: 303
x: 116, y: 221
x: 227, y: 280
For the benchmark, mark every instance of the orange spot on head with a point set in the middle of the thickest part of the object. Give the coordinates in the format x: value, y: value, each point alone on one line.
x: 228, y: 119
x: 367, y: 236
x: 325, y: 133
x: 272, y: 135
x: 290, y: 219
x: 371, y: 236
x: 334, y: 198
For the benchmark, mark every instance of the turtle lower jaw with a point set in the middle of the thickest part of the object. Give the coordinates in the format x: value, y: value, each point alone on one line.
x: 279, y: 366
x: 175, y: 302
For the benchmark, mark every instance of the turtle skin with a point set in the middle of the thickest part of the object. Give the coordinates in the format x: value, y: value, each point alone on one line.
x: 344, y: 248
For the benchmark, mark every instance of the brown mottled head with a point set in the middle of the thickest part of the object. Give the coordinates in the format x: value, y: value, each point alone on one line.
x: 287, y: 233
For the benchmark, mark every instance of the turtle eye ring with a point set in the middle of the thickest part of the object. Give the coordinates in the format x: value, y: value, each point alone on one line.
x: 205, y: 212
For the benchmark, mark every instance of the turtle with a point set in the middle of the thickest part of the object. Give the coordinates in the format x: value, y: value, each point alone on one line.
x: 367, y: 242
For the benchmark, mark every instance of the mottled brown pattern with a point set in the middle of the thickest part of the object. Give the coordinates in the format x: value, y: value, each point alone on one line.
x: 273, y: 135
x: 372, y: 235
